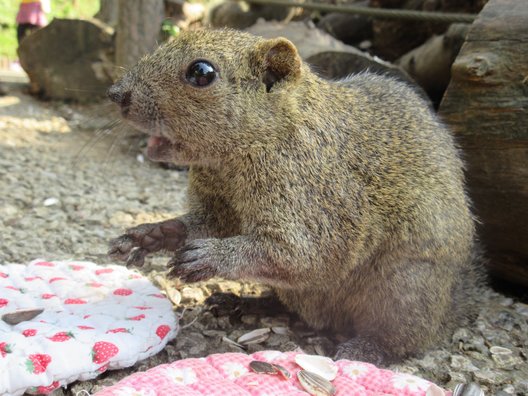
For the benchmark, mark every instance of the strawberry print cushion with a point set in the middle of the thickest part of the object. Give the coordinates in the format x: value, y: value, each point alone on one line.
x: 229, y: 374
x: 95, y: 318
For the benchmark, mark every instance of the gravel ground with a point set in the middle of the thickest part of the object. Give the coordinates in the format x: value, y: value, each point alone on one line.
x: 65, y: 194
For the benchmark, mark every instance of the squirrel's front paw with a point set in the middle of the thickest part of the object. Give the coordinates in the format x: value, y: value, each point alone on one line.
x: 194, y: 262
x: 139, y: 241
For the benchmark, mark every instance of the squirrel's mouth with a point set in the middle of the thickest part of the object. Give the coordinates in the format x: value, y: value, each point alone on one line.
x: 160, y: 148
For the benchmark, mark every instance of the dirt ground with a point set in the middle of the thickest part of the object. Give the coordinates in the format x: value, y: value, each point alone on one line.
x: 72, y: 178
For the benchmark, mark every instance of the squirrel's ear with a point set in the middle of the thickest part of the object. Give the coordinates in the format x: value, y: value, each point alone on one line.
x: 276, y: 60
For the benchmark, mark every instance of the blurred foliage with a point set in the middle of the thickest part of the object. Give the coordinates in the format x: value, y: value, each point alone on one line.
x: 59, y: 9
x: 169, y: 28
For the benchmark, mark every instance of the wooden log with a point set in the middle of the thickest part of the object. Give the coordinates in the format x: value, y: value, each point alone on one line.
x: 486, y: 105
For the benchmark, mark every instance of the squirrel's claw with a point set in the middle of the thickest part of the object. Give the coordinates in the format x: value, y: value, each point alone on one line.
x: 192, y: 263
x: 120, y: 247
x: 136, y: 258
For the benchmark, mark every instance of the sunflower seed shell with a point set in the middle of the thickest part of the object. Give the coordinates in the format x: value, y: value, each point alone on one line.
x: 282, y: 371
x: 320, y: 365
x: 262, y: 367
x: 254, y: 337
x: 315, y: 384
x: 233, y: 343
x: 471, y: 389
x: 21, y: 315
x: 435, y: 390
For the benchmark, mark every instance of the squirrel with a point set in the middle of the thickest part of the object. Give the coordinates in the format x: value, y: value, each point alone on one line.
x: 346, y: 196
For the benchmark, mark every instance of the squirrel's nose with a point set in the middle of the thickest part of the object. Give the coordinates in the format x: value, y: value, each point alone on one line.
x: 115, y: 93
x: 119, y: 96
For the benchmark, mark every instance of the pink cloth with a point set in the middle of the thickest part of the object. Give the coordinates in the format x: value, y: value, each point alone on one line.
x: 228, y: 374
x: 31, y: 13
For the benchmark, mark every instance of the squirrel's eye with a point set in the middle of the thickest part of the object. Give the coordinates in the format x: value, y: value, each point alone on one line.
x: 201, y: 73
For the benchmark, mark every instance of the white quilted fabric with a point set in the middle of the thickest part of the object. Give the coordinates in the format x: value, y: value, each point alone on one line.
x: 95, y: 318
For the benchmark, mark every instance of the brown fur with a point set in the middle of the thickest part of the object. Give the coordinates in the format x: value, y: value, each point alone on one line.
x: 347, y: 197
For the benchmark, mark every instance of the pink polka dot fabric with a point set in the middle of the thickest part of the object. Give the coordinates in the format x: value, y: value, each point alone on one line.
x: 228, y: 374
x: 95, y: 318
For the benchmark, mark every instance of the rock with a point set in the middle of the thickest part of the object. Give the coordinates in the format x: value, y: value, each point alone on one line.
x: 521, y: 308
x: 432, y: 360
x: 504, y: 358
x: 250, y: 320
x: 337, y: 65
x: 459, y: 362
x: 275, y: 341
x: 506, y: 302
x: 508, y: 390
x: 224, y: 323
x: 430, y: 64
x: 476, y: 343
x: 214, y: 333
x: 192, y: 343
x: 504, y: 319
x: 456, y: 378
x: 521, y: 386
x: 232, y: 15
x: 395, y: 37
x: 237, y: 15
x: 69, y: 59
x: 192, y: 295
x: 488, y: 377
x: 278, y: 321
x: 307, y: 38
x: 348, y: 28
x: 461, y: 335
x: 403, y: 369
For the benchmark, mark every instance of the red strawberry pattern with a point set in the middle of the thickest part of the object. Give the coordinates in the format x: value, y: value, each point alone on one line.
x: 103, y: 351
x: 71, y: 287
x: 86, y: 327
x: 71, y: 301
x: 61, y: 336
x: 118, y: 330
x: 5, y: 348
x: 45, y: 264
x: 162, y: 331
x: 123, y: 292
x: 44, y: 390
x: 58, y: 278
x: 137, y: 317
x: 37, y: 363
x: 103, y: 271
x: 29, y: 332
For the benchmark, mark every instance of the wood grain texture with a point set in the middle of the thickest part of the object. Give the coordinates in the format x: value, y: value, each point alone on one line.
x: 486, y: 105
